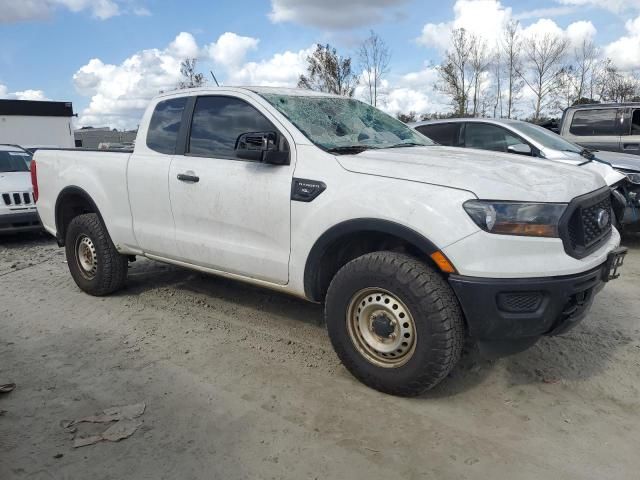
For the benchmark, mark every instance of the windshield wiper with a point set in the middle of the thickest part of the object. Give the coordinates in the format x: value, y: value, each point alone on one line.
x: 588, y: 154
x: 408, y: 144
x: 347, y: 149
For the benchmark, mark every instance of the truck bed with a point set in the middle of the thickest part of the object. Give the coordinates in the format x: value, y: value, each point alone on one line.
x: 102, y: 174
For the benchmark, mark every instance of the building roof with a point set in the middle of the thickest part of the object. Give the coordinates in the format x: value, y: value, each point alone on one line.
x: 35, y: 108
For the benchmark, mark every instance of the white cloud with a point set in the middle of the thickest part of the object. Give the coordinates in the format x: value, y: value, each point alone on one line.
x: 335, y: 14
x: 231, y: 49
x: 281, y: 70
x: 577, y: 32
x: 625, y: 52
x: 120, y: 93
x: 483, y: 18
x: 487, y: 18
x: 22, y: 95
x: 184, y: 46
x: 30, y: 95
x: 25, y: 10
x: 412, y: 92
x: 617, y: 6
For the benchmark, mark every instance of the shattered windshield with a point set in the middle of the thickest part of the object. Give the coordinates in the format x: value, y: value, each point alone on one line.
x: 344, y: 125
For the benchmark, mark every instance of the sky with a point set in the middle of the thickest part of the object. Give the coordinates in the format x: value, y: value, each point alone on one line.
x: 109, y: 57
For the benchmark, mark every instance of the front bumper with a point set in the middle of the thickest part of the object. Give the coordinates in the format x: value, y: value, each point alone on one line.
x: 20, y: 222
x: 523, y: 309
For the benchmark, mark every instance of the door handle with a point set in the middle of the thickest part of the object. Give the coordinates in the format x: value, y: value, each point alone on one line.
x: 188, y: 177
x: 631, y: 146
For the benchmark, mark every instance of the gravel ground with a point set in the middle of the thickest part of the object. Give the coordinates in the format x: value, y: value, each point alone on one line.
x: 242, y: 383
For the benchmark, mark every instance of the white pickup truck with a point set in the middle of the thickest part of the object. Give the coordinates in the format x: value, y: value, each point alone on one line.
x: 410, y: 246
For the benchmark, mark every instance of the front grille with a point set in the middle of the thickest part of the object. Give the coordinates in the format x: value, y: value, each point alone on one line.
x: 587, y: 223
x: 18, y: 199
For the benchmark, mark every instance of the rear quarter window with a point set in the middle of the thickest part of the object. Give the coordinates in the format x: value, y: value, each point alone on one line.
x: 447, y: 134
x: 596, y: 122
x: 165, y: 124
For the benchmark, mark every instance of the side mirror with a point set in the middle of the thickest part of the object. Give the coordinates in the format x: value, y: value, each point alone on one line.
x: 519, y: 149
x: 262, y: 147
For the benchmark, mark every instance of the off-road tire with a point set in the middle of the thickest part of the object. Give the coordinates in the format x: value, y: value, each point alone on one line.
x: 111, y: 269
x: 436, y: 313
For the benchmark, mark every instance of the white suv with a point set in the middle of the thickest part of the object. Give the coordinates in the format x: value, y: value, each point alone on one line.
x: 17, y: 206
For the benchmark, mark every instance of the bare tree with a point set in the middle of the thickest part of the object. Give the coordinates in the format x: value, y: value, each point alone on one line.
x: 566, y: 86
x: 479, y: 62
x: 615, y: 86
x: 374, y: 57
x: 511, y: 45
x: 496, y: 70
x: 542, y: 57
x: 455, y: 72
x: 585, y: 57
x: 407, y: 117
x: 190, y: 78
x: 329, y: 72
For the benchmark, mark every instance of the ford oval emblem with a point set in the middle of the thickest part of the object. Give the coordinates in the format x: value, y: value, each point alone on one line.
x: 603, y: 219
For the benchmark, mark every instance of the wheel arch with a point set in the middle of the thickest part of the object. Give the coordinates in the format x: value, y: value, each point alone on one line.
x: 71, y: 202
x: 352, y: 238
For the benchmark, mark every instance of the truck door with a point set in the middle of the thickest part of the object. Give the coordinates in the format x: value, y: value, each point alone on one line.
x: 630, y: 139
x: 231, y: 214
x: 147, y: 174
x: 597, y: 128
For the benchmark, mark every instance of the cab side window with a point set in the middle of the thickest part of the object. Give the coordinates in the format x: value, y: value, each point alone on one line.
x: 594, y: 122
x: 447, y: 134
x: 164, y: 125
x: 489, y: 137
x: 219, y: 121
x: 635, y: 122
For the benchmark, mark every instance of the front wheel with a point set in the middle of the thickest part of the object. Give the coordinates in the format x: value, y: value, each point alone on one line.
x: 94, y: 263
x: 394, y: 322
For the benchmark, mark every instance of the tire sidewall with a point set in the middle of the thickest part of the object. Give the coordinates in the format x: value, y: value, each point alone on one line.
x: 77, y: 228
x: 426, y: 350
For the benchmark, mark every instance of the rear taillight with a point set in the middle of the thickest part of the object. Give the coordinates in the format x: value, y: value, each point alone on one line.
x: 34, y: 180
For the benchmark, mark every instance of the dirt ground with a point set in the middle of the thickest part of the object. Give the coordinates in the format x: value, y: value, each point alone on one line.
x: 243, y: 383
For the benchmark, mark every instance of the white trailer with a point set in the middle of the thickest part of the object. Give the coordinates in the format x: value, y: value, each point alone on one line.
x: 31, y: 123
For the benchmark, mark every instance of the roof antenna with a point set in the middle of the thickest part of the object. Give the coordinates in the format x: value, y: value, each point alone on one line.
x: 214, y: 78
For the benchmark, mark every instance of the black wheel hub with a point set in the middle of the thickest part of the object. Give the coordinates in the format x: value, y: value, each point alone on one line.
x: 382, y: 326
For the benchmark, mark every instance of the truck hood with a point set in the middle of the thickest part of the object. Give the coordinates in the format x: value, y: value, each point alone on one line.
x: 15, y: 182
x: 489, y: 175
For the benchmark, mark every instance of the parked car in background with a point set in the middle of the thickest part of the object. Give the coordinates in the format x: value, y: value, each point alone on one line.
x: 17, y: 206
x: 620, y: 171
x: 410, y: 246
x: 613, y: 127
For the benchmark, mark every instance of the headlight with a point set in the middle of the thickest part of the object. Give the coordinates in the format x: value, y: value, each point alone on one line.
x: 513, y: 218
x: 633, y: 177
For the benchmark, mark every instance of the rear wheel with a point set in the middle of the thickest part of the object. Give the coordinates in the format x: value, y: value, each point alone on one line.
x: 94, y: 263
x: 394, y: 322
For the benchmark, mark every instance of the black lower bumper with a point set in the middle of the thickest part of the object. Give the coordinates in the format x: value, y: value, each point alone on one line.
x: 20, y: 222
x: 523, y: 309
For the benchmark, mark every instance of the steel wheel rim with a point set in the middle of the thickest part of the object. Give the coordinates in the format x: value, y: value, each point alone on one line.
x: 381, y: 327
x: 86, y: 257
